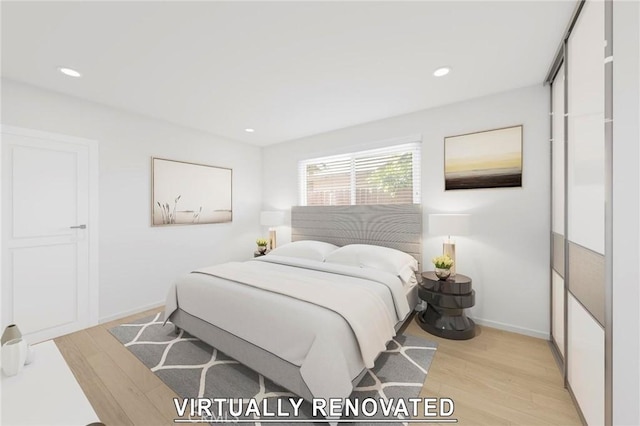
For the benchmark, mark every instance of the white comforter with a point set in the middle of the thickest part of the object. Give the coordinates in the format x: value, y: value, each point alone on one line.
x: 330, y: 320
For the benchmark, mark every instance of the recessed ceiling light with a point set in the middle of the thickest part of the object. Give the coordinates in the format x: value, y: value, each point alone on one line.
x: 248, y: 130
x: 442, y: 71
x: 70, y: 72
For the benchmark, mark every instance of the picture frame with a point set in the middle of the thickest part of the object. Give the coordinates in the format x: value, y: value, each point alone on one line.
x: 485, y: 159
x: 184, y: 193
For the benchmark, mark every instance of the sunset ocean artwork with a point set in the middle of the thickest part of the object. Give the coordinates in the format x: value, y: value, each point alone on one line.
x: 490, y: 159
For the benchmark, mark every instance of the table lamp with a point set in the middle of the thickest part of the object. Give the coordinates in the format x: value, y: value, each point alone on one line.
x: 449, y: 225
x: 272, y: 219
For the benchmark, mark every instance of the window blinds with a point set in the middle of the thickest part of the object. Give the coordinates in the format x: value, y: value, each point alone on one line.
x: 388, y: 175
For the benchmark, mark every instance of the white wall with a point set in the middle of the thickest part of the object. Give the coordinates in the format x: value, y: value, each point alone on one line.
x: 508, y: 254
x: 626, y: 213
x: 138, y: 262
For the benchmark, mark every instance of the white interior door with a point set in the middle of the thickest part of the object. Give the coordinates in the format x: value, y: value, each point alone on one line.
x: 49, y: 286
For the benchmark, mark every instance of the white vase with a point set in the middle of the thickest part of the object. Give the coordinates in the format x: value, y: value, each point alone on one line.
x: 443, y: 273
x: 11, y: 332
x: 14, y: 354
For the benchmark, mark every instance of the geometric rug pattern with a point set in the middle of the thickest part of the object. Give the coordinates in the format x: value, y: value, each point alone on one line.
x: 193, y: 369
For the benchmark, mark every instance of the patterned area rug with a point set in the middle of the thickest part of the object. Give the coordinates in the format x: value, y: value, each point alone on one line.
x: 194, y: 369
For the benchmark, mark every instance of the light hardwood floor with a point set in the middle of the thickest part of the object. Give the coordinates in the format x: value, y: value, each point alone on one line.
x: 497, y: 378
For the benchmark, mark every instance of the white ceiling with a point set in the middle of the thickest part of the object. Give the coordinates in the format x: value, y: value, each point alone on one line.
x: 287, y: 69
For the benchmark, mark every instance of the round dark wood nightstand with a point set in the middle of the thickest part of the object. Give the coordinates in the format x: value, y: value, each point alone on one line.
x: 446, y: 302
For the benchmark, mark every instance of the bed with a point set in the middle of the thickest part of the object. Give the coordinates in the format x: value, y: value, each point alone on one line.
x: 312, y: 315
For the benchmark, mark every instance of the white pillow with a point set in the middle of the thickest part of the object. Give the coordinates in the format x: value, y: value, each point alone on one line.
x: 367, y: 256
x: 307, y: 249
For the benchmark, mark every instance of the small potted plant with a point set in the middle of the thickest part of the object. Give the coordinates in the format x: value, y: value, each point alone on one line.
x: 262, y: 245
x: 443, y: 266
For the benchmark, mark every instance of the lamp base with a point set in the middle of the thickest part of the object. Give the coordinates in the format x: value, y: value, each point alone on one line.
x: 450, y: 250
x: 272, y: 239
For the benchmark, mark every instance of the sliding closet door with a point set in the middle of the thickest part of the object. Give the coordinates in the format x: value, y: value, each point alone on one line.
x: 585, y: 226
x: 558, y: 210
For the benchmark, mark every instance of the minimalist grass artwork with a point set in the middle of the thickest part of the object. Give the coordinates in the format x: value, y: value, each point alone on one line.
x: 489, y: 159
x: 188, y: 193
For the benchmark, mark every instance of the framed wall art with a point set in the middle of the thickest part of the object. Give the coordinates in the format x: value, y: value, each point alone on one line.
x: 188, y: 193
x: 488, y: 159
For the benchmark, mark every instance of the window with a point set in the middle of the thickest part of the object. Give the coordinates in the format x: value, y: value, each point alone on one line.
x: 379, y: 176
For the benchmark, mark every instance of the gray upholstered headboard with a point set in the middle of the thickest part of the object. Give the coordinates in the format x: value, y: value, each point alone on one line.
x: 397, y: 226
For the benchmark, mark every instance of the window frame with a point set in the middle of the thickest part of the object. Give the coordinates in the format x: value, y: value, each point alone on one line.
x: 412, y: 144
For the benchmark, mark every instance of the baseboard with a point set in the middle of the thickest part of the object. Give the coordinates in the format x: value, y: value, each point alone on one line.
x: 575, y: 403
x: 506, y: 327
x: 131, y: 312
x: 557, y: 355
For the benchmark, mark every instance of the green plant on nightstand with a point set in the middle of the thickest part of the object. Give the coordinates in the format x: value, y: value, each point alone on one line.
x: 443, y: 266
x: 262, y: 245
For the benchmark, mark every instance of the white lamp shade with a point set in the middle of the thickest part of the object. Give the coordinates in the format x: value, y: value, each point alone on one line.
x: 271, y: 218
x: 449, y: 224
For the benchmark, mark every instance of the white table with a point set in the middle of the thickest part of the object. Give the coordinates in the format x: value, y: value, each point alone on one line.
x: 45, y: 392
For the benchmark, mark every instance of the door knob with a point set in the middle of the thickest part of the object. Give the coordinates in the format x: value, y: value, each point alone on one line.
x: 79, y: 227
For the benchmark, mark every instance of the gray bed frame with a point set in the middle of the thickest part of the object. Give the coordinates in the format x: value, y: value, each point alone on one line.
x: 395, y: 226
